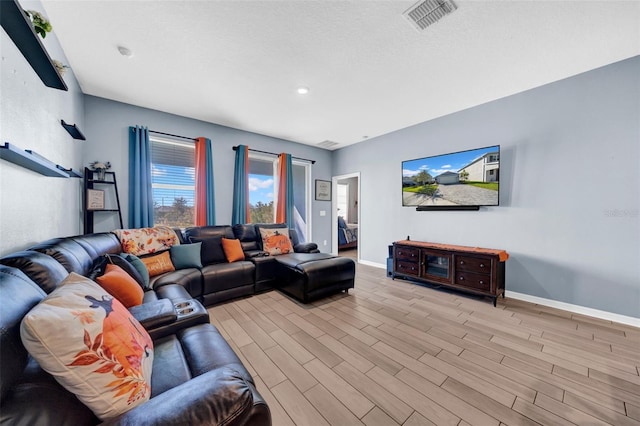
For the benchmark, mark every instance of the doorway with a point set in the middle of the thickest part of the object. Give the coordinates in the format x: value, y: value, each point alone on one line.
x: 345, y: 218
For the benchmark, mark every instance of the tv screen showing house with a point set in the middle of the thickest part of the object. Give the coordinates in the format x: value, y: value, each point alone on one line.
x: 465, y: 178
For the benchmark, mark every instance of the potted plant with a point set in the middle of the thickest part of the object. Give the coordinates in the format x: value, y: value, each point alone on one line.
x: 40, y: 24
x: 100, y: 168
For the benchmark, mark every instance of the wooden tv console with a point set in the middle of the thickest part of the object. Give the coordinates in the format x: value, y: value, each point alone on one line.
x: 471, y: 269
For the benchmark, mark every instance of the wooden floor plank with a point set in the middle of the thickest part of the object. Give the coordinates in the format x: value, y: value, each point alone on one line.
x: 567, y: 412
x: 488, y: 405
x: 538, y: 414
x: 291, y: 368
x: 340, y: 388
x: 456, y: 405
x: 297, y: 406
x: 346, y: 353
x: 265, y: 368
x: 394, y: 353
x: 279, y: 415
x: 318, y: 350
x: 502, y: 370
x: 427, y: 407
x: 382, y: 361
x: 381, y: 397
x: 331, y: 408
x: 598, y: 411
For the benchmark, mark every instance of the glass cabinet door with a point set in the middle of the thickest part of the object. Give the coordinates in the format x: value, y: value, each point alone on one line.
x: 437, y: 266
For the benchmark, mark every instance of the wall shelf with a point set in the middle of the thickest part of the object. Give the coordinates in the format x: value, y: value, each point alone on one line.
x: 18, y: 27
x: 31, y: 160
x: 71, y: 172
x: 73, y: 131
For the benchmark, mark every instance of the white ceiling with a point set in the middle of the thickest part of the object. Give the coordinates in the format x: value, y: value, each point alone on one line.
x: 239, y: 63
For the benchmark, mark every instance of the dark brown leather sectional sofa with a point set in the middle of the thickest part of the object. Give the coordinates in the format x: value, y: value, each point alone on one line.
x: 197, y: 378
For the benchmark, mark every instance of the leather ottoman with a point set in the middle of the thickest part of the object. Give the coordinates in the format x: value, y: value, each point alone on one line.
x: 310, y: 276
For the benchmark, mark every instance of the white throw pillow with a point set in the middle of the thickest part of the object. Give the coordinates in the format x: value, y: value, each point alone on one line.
x: 92, y: 345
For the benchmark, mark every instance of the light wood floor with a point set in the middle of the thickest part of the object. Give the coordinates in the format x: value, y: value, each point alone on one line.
x: 395, y: 353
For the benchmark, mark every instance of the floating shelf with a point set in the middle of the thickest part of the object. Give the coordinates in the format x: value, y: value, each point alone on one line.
x: 73, y: 131
x: 18, y: 27
x: 30, y: 160
x: 71, y: 172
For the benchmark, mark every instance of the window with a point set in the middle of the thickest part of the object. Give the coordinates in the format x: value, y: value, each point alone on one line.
x: 173, y: 182
x: 263, y: 171
x: 342, y: 200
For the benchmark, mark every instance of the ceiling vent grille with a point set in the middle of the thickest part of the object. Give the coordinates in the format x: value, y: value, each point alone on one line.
x: 427, y: 12
x: 327, y: 144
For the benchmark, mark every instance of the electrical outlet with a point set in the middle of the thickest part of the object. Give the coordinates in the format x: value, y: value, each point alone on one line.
x: 325, y: 242
x: 323, y: 213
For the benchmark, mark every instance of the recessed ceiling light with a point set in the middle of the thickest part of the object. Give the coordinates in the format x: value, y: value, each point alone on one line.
x: 124, y: 51
x: 303, y: 90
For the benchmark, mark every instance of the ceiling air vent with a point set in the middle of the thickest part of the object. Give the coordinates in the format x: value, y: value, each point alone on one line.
x: 427, y: 12
x: 327, y: 144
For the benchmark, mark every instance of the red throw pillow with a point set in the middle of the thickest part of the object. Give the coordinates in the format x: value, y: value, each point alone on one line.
x: 233, y: 250
x: 121, y: 285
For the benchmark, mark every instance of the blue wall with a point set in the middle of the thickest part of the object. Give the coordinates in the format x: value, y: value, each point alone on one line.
x: 107, y: 124
x: 569, y: 195
x: 37, y: 207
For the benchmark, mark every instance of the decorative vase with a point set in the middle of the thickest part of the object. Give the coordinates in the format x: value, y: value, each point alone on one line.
x: 101, y: 173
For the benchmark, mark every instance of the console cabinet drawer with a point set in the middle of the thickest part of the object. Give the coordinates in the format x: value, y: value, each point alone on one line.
x: 473, y: 280
x: 408, y: 253
x: 473, y: 264
x: 408, y: 268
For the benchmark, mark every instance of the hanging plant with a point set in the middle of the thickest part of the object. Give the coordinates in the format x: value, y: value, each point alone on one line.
x: 40, y: 24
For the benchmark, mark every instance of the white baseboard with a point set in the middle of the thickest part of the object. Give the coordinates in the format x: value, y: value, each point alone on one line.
x: 374, y: 264
x: 577, y: 309
x: 596, y: 313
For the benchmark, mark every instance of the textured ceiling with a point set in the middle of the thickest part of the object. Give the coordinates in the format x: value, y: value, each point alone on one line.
x: 238, y: 63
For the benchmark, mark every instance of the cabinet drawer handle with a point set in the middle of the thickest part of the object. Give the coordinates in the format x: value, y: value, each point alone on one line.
x: 482, y: 265
x: 481, y: 282
x: 462, y: 262
x: 461, y: 279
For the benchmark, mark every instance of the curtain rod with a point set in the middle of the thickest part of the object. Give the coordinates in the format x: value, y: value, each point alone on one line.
x: 174, y: 136
x: 235, y: 148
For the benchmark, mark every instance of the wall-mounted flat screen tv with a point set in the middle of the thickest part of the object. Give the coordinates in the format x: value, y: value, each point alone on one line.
x: 465, y: 178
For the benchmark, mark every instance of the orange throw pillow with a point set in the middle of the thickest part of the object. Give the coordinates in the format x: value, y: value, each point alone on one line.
x: 121, y: 285
x: 232, y: 249
x: 158, y: 264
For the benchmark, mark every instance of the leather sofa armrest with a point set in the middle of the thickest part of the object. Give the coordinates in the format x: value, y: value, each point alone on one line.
x: 154, y: 314
x: 217, y: 397
x: 306, y: 248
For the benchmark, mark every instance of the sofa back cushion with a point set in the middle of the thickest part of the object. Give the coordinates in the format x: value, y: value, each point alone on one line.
x: 99, y: 243
x: 68, y: 253
x: 19, y: 294
x: 44, y: 270
x: 211, y: 250
x: 143, y: 241
x: 248, y: 236
x: 208, y: 232
x: 92, y: 345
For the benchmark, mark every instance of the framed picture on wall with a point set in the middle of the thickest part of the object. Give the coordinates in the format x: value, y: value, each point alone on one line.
x: 323, y: 190
x: 95, y: 199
